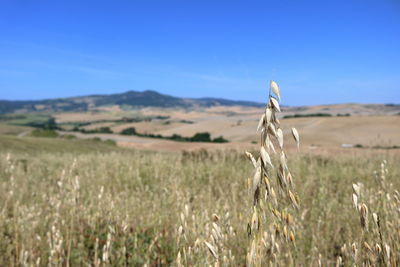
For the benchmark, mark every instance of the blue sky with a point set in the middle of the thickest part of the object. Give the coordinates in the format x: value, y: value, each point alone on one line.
x: 320, y: 52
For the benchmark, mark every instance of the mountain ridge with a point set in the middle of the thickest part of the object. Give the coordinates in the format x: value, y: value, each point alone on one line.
x: 147, y: 98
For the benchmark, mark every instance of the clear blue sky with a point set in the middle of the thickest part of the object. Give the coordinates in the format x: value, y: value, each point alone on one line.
x: 320, y: 52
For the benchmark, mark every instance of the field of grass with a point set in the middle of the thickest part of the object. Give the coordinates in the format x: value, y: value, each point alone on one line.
x: 24, y: 119
x: 120, y: 207
x: 8, y: 129
x: 37, y: 145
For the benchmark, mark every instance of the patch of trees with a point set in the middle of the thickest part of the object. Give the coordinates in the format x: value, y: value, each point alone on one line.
x: 307, y: 115
x: 104, y: 130
x: 315, y: 115
x: 50, y: 124
x: 78, y: 125
x: 128, y: 131
x: 377, y: 146
x: 392, y: 105
x: 180, y: 121
x: 158, y: 117
x: 186, y: 121
x: 10, y: 117
x: 44, y: 133
x: 36, y: 121
x: 198, y: 137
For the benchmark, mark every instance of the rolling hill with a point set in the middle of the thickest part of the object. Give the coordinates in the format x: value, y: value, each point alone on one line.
x: 130, y: 99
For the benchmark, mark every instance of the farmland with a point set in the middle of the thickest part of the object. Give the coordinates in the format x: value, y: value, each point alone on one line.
x: 151, y: 186
x: 127, y: 207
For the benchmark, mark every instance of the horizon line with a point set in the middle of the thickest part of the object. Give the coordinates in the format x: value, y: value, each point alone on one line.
x: 194, y: 98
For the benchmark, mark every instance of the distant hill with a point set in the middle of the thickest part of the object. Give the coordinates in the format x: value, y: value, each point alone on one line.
x: 131, y: 98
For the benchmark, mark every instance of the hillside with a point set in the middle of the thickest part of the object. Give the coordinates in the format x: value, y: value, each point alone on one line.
x: 153, y: 114
x: 35, y: 145
x: 128, y: 99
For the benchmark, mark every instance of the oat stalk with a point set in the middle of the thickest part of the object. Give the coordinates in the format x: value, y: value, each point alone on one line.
x: 268, y: 179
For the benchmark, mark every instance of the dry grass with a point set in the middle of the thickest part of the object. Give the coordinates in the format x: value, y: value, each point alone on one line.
x: 131, y: 208
x: 378, y: 207
x: 12, y: 129
x: 237, y: 124
x: 137, y: 208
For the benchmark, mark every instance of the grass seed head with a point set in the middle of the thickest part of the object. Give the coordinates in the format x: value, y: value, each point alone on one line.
x: 275, y: 89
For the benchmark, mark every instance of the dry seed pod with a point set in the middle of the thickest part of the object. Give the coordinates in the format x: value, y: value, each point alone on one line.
x: 378, y: 248
x: 283, y: 215
x: 178, y: 259
x: 217, y: 229
x: 273, y: 196
x: 357, y: 189
x: 272, y: 130
x: 279, y: 136
x: 283, y: 160
x: 266, y: 195
x: 387, y: 251
x: 275, y: 88
x: 256, y: 179
x: 285, y: 232
x: 355, y: 201
x: 296, y: 136
x: 354, y: 250
x: 272, y: 241
x: 197, y: 243
x: 339, y: 261
x: 292, y: 237
x: 251, y: 157
x: 343, y: 249
x: 293, y: 199
x: 353, y: 247
x: 282, y: 177
x: 367, y: 246
x: 215, y: 235
x: 277, y: 229
x: 260, y: 122
x: 275, y: 104
x: 254, y: 220
x: 211, y: 249
x: 269, y: 144
x: 215, y: 217
x: 186, y: 210
x: 278, y: 250
x: 265, y: 157
x: 268, y: 115
x: 180, y: 230
x: 364, y: 216
x: 276, y: 213
x: 252, y: 253
x: 289, y: 219
x: 376, y: 218
x: 264, y: 241
x: 289, y: 178
x: 183, y: 218
x: 267, y: 185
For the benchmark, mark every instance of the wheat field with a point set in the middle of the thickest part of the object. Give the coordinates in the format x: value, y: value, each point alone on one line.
x: 131, y: 208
